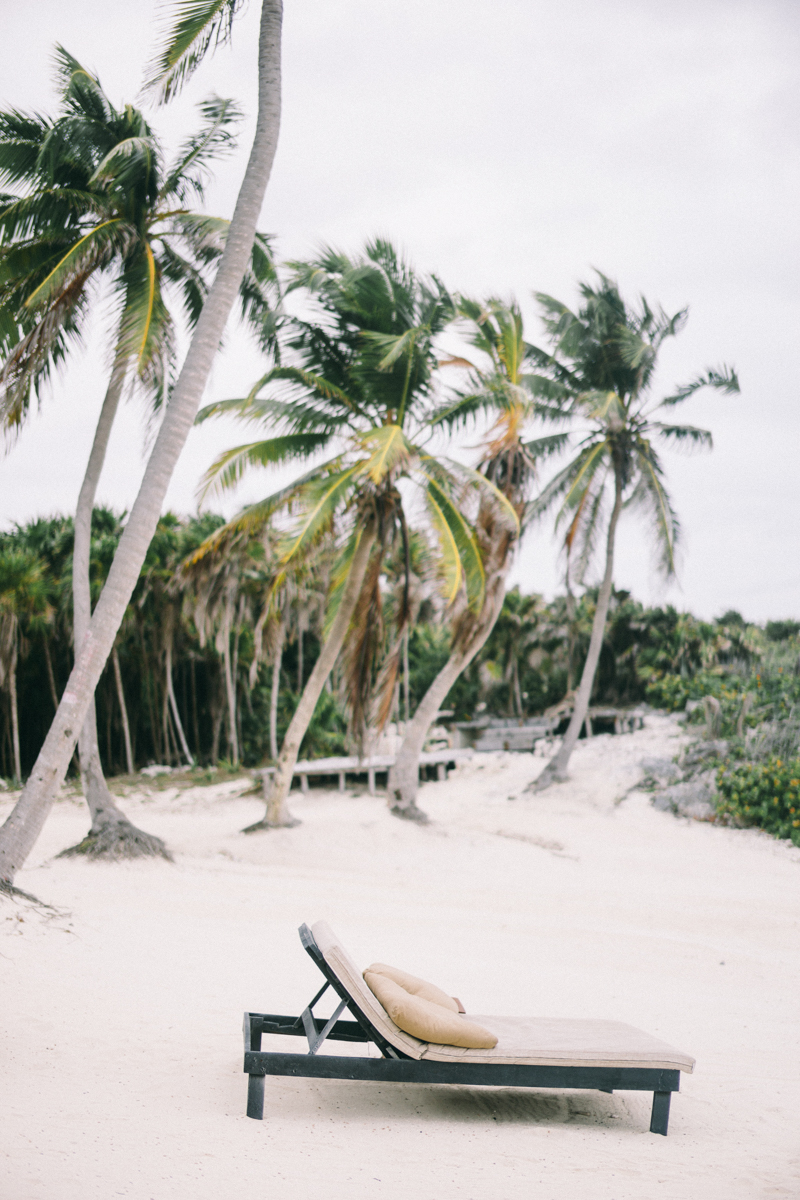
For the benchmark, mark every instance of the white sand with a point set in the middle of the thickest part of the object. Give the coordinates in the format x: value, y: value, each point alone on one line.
x: 121, y: 1046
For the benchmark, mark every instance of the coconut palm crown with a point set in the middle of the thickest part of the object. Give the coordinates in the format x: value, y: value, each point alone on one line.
x: 358, y: 383
x: 361, y: 383
x: 599, y: 372
x: 95, y: 197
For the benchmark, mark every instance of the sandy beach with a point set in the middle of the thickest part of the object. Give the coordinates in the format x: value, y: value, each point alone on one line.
x: 121, y: 1016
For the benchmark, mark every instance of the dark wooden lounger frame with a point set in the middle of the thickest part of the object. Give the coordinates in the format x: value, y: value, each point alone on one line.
x: 396, y: 1067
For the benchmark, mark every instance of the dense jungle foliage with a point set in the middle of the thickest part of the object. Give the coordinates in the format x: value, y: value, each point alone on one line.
x: 534, y: 656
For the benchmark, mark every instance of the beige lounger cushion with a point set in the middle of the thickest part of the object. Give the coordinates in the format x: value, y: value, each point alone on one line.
x: 564, y: 1042
x: 533, y: 1041
x: 414, y: 986
x: 425, y: 1019
x: 343, y: 966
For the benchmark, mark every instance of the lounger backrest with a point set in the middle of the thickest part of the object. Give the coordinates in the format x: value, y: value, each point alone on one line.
x: 352, y: 981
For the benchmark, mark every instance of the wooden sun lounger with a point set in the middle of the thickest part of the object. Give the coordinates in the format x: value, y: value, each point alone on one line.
x: 606, y: 1056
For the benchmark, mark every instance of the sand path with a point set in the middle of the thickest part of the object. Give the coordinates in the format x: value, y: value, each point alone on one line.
x: 121, y: 1048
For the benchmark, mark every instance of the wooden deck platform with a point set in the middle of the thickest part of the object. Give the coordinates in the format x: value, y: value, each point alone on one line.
x: 376, y: 764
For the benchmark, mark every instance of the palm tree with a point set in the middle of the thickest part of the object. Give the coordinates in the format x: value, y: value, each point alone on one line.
x: 505, y: 388
x: 24, y: 601
x: 126, y: 219
x: 600, y: 371
x: 361, y: 384
x: 199, y: 24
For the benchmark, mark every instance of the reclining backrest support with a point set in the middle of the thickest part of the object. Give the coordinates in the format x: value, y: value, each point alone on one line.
x: 335, y: 963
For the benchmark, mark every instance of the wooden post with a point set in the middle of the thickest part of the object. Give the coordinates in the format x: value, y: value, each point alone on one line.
x: 371, y: 780
x: 304, y: 783
x: 341, y: 781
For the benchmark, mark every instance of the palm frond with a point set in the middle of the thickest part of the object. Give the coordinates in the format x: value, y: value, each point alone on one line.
x: 321, y: 498
x: 723, y: 378
x: 491, y: 492
x: 651, y: 494
x: 93, y: 249
x: 569, y: 482
x: 190, y: 172
x: 229, y: 468
x: 688, y: 436
x: 117, y: 163
x: 199, y: 26
x: 389, y: 448
x: 460, y: 553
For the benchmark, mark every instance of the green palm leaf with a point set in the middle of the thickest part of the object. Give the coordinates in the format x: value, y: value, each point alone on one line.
x: 724, y: 379
x: 321, y: 499
x: 228, y: 469
x: 460, y: 553
x: 214, y: 139
x: 93, y: 249
x: 684, y: 435
x: 391, y: 448
x: 509, y: 515
x: 200, y: 25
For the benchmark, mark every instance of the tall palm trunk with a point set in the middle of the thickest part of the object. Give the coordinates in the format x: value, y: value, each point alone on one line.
x: 230, y: 692
x: 556, y: 769
x: 406, y: 678
x: 12, y: 693
x: 51, y: 679
x: 404, y: 775
x: 276, y: 787
x: 20, y: 831
x: 111, y: 834
x: 173, y: 703
x: 123, y: 708
x: 275, y: 692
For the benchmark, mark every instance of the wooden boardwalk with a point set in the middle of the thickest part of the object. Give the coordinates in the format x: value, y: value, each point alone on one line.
x: 376, y: 764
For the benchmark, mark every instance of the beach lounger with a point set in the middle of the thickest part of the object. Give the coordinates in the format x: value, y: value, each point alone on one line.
x: 531, y: 1052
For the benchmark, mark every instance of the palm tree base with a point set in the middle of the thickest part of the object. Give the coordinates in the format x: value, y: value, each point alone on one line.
x: 289, y: 823
x: 410, y: 812
x: 549, y: 775
x: 117, y: 840
x: 15, y: 893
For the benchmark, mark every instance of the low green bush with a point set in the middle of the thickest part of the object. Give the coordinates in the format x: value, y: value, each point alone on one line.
x: 766, y: 795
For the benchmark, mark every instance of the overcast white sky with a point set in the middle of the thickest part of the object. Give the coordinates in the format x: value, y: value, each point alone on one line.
x: 508, y: 147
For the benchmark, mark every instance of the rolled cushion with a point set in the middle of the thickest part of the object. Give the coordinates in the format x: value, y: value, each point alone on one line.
x: 426, y: 1020
x: 414, y: 986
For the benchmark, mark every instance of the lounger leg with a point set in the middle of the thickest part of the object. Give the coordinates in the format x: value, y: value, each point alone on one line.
x: 659, y: 1119
x: 441, y: 771
x: 255, y: 1097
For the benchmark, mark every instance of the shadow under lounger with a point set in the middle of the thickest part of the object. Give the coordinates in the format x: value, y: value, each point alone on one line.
x: 530, y: 1052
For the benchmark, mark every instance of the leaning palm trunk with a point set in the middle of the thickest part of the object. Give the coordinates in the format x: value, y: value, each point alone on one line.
x: 556, y: 769
x: 19, y: 833
x: 276, y: 787
x: 111, y: 834
x: 467, y: 642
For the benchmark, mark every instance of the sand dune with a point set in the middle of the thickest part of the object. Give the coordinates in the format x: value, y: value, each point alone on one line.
x: 121, y: 1045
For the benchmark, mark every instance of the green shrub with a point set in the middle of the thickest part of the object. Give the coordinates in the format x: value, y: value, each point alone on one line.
x: 766, y: 795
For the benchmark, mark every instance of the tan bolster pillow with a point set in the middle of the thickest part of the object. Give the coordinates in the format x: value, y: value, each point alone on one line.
x: 426, y: 1020
x: 415, y: 987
